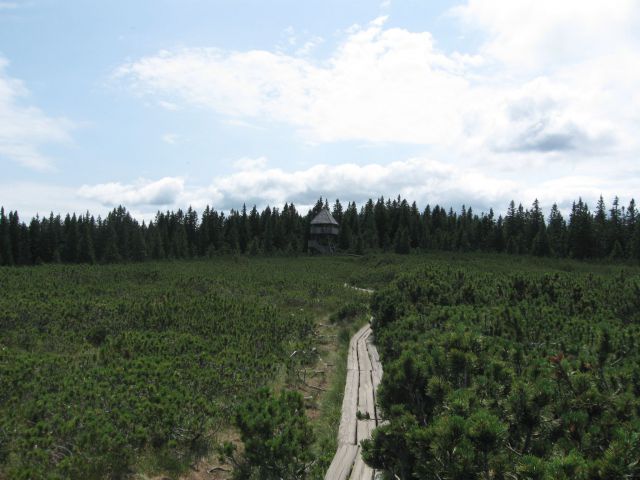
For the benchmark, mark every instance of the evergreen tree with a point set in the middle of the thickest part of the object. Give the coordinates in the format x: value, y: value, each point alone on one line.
x: 138, y: 245
x: 581, y: 240
x: 344, y: 238
x: 6, y: 253
x: 635, y: 243
x: 35, y: 240
x: 86, y: 252
x: 557, y: 232
x: 179, y: 245
x: 359, y: 250
x: 402, y: 242
x: 337, y: 211
x: 72, y: 238
x: 600, y: 229
x: 111, y: 253
x: 540, y: 243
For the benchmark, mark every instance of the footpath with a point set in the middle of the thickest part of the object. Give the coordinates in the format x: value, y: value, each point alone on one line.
x: 359, y: 411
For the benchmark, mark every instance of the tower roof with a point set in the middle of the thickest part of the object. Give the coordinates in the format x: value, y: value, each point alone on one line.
x: 324, y: 218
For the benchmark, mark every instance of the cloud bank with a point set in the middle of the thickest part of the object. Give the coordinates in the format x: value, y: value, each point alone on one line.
x: 163, y: 192
x: 421, y: 179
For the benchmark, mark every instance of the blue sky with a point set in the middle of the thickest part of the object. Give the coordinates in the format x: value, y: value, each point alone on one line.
x: 163, y: 104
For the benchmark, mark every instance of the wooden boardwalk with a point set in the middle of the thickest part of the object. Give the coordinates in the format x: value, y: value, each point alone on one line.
x: 364, y: 372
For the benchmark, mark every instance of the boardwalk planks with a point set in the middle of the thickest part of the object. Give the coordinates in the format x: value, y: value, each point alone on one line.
x: 364, y: 373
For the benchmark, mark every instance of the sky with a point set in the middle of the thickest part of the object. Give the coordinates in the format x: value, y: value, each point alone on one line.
x: 163, y: 104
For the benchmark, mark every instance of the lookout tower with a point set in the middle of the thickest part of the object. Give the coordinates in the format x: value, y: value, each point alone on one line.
x: 324, y: 233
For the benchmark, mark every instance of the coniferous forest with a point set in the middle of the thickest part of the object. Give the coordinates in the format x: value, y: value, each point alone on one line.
x: 384, y: 225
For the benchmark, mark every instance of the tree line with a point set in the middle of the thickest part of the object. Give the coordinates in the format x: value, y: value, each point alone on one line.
x: 381, y: 225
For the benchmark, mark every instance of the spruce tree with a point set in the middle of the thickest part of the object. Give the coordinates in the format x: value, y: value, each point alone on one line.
x: 86, y: 253
x: 600, y: 229
x: 111, y: 253
x: 138, y: 245
x: 5, y: 247
x: 402, y: 242
x: 540, y: 243
x: 581, y: 240
x: 635, y: 242
x: 557, y: 232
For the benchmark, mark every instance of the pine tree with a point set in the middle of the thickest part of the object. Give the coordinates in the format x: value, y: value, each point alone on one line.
x: 138, y: 245
x: 635, y: 243
x: 345, y: 238
x: 557, y: 232
x: 402, y: 242
x: 35, y: 240
x: 6, y: 254
x: 179, y: 245
x: 254, y: 247
x: 581, y: 240
x: 337, y: 211
x: 600, y: 229
x: 617, y: 252
x: 111, y: 253
x: 359, y: 250
x: 540, y: 243
x: 630, y: 221
x: 86, y: 253
x: 615, y: 226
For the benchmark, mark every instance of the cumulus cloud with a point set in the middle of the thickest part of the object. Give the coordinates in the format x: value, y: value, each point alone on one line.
x: 162, y: 192
x: 23, y: 128
x: 546, y: 33
x: 392, y: 85
x: 548, y: 97
x: 419, y: 179
x: 379, y: 85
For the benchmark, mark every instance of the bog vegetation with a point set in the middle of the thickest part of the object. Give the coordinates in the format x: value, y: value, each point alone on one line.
x: 508, y: 375
x: 105, y: 367
x: 495, y: 366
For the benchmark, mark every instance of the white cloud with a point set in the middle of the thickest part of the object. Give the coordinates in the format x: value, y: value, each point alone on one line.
x: 416, y: 178
x: 547, y: 98
x: 165, y: 191
x: 392, y: 85
x: 24, y: 129
x: 421, y: 179
x: 247, y: 163
x: 380, y: 85
x: 171, y: 138
x: 546, y: 33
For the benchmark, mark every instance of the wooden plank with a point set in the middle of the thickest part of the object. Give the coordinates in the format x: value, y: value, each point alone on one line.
x: 347, y: 428
x: 352, y: 357
x: 365, y: 394
x: 364, y: 363
x: 342, y: 463
x: 365, y: 427
x: 373, y: 351
x: 376, y: 378
x: 361, y: 471
x: 364, y: 373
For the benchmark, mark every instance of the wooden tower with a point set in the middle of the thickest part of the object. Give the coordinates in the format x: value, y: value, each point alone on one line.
x: 324, y: 232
